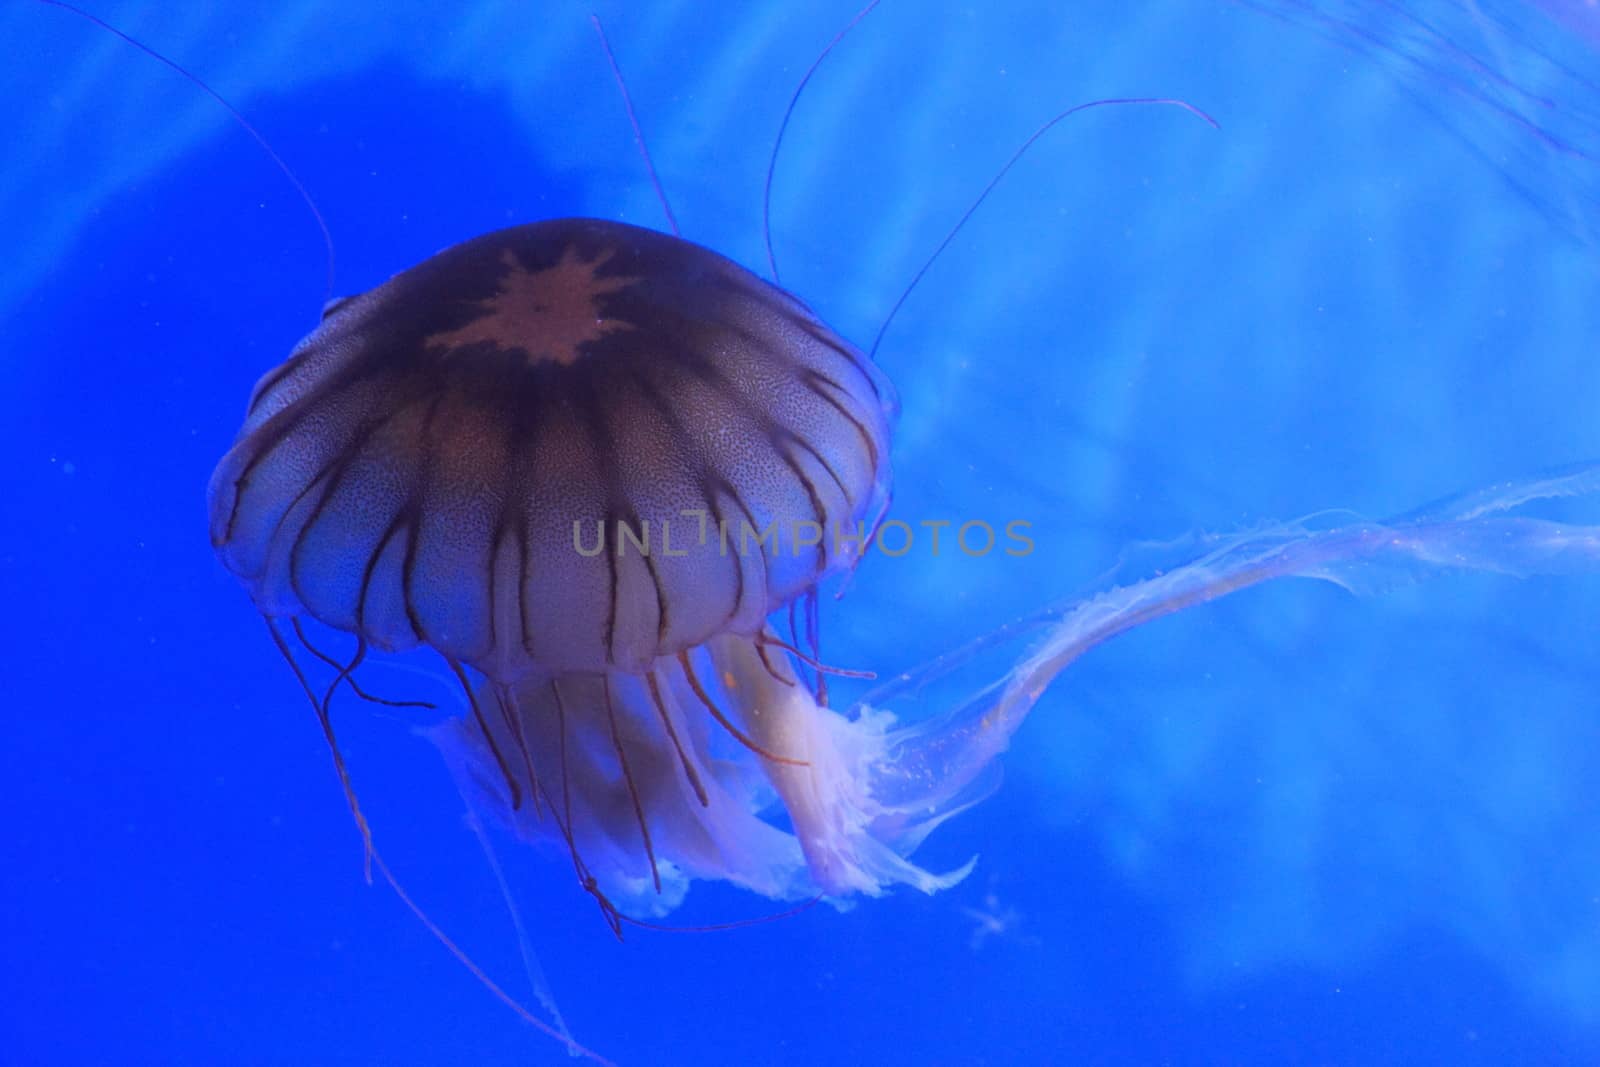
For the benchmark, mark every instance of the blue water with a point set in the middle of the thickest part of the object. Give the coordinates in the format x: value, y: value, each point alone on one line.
x: 1294, y: 826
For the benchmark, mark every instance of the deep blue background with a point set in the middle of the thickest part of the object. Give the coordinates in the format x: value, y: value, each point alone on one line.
x: 1294, y: 827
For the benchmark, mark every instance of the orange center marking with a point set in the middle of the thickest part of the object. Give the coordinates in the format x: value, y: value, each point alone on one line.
x: 550, y: 313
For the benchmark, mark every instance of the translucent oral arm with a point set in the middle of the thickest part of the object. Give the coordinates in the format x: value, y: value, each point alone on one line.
x: 930, y: 763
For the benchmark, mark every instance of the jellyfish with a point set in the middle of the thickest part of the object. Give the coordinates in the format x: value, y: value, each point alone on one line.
x: 586, y: 464
x: 591, y: 466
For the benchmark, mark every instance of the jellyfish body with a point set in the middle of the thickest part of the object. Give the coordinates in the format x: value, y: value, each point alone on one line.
x: 489, y: 454
x: 588, y: 461
x: 434, y: 464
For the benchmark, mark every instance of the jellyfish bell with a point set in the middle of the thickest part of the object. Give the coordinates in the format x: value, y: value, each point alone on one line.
x: 574, y: 445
